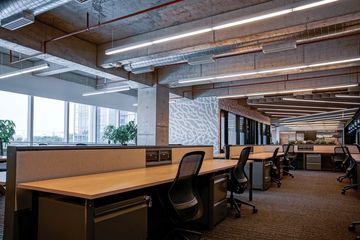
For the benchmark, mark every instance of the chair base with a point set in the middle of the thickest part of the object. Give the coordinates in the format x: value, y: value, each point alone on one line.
x: 277, y: 181
x: 352, y: 227
x: 182, y: 233
x: 235, y: 204
x: 287, y: 173
x: 350, y: 186
x: 342, y: 178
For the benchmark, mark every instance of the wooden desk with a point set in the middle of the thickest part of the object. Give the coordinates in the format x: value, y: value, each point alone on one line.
x: 110, y: 183
x: 94, y: 187
x: 261, y: 156
x: 356, y: 157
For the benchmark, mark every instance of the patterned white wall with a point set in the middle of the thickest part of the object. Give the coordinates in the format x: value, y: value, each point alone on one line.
x: 194, y: 122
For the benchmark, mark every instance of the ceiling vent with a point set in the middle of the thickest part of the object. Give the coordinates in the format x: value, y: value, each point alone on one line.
x: 18, y: 20
x: 203, y: 59
x: 142, y: 70
x: 279, y: 47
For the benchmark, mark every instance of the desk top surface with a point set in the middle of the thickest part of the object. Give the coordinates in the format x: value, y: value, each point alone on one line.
x: 105, y: 184
x: 316, y: 151
x: 356, y: 156
x: 260, y: 156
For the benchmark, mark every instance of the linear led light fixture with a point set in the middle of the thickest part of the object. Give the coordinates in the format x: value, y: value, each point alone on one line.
x: 319, y: 118
x: 346, y: 96
x: 290, y: 110
x: 319, y: 101
x: 238, y: 22
x: 107, y: 90
x: 295, y: 106
x: 286, y: 113
x: 24, y: 70
x: 273, y: 70
x: 289, y: 91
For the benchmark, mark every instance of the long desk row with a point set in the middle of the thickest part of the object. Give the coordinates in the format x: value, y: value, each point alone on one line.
x: 92, y: 194
x: 94, y: 188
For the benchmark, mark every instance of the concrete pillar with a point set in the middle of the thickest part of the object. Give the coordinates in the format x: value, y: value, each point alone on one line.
x: 153, y: 116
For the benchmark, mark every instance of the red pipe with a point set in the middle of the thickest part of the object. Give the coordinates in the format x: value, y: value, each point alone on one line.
x: 89, y: 28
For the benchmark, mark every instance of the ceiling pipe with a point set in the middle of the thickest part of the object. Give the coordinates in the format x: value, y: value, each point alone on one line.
x: 89, y: 28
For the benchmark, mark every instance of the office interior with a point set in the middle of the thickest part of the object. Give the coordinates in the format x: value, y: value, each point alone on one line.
x: 179, y: 119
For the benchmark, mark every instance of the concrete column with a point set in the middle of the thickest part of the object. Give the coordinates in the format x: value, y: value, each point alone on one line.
x: 153, y: 116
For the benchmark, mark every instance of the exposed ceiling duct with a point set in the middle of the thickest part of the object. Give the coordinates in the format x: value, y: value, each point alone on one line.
x: 177, y: 58
x: 19, y: 13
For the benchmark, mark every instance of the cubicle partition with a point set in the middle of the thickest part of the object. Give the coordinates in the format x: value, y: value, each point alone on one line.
x: 26, y: 164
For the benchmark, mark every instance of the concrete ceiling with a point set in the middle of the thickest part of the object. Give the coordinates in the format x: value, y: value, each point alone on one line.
x: 72, y: 16
x: 322, y: 34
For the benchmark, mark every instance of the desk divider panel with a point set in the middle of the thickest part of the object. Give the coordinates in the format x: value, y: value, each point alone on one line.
x: 235, y: 150
x: 325, y: 148
x: 178, y: 153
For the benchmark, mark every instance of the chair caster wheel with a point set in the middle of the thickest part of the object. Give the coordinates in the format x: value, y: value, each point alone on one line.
x: 255, y: 210
x: 351, y: 228
x: 279, y: 185
x: 292, y: 176
x: 343, y: 192
x: 237, y: 215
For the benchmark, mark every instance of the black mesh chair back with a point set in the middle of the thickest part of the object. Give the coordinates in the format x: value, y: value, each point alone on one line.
x: 351, y: 169
x: 291, y: 149
x: 339, y: 154
x: 183, y: 194
x: 285, y: 147
x: 274, y: 157
x: 238, y: 179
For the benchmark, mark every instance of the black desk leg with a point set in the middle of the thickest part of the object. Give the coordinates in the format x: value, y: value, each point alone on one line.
x: 251, y: 181
x: 35, y: 214
x: 89, y: 224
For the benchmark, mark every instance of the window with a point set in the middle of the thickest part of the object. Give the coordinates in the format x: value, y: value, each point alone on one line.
x: 81, y: 123
x: 105, y: 117
x: 15, y: 107
x: 231, y: 129
x: 126, y: 117
x: 49, y: 120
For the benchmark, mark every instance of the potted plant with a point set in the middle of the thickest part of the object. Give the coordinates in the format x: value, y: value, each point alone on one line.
x: 7, y: 131
x: 122, y: 134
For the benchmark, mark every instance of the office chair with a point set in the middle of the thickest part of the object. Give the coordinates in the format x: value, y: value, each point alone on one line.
x: 183, y: 197
x: 286, y: 161
x: 350, y: 172
x: 238, y: 182
x: 291, y: 155
x: 274, y: 168
x: 339, y: 158
x: 352, y: 227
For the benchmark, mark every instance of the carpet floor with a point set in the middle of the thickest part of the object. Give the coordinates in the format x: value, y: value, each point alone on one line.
x: 309, y: 206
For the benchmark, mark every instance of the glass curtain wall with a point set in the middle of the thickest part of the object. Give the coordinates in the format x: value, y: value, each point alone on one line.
x: 48, y: 121
x: 14, y: 106
x: 236, y: 129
